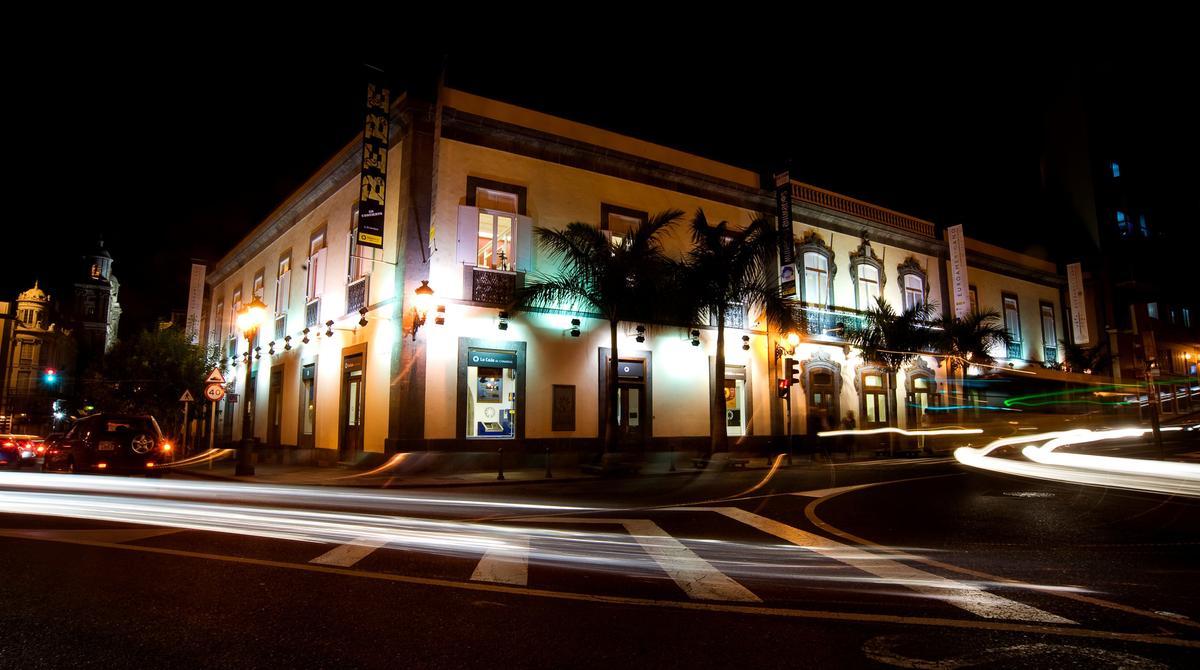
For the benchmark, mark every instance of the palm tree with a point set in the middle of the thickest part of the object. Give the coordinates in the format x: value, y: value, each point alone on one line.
x: 969, y: 341
x: 729, y: 269
x: 891, y: 340
x: 1078, y: 358
x: 618, y: 280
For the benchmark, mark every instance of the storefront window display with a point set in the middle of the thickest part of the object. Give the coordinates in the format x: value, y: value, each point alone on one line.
x: 491, y: 394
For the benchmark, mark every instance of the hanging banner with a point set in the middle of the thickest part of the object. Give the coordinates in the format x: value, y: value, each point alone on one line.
x: 1079, y: 324
x: 195, y: 302
x: 783, y: 214
x: 958, y: 271
x: 374, y: 168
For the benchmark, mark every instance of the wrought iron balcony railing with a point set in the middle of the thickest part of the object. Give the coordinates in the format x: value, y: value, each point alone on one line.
x: 829, y: 322
x: 312, y: 313
x: 356, y: 295
x: 493, y: 287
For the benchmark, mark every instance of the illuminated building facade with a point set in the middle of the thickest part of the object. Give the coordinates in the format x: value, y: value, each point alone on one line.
x: 340, y: 372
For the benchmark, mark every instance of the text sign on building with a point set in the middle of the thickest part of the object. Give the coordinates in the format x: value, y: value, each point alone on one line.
x: 959, y: 283
x: 195, y: 302
x: 783, y: 211
x: 373, y: 184
x: 1079, y: 324
x: 491, y: 359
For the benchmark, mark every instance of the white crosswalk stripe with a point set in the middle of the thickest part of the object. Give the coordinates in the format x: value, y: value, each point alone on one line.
x: 508, y: 564
x: 350, y: 553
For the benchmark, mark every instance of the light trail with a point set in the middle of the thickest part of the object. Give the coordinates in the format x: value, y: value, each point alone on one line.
x: 1153, y: 476
x: 901, y: 431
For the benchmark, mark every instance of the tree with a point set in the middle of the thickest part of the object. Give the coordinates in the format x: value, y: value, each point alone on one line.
x: 1077, y: 358
x: 620, y: 280
x: 969, y: 341
x: 729, y: 269
x: 148, y: 373
x: 891, y: 340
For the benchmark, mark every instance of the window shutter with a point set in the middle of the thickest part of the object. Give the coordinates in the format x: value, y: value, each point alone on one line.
x: 317, y: 268
x: 524, y: 244
x: 468, y: 234
x: 283, y: 295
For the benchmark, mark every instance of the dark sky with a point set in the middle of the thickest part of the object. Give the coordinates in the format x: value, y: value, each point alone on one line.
x: 180, y: 154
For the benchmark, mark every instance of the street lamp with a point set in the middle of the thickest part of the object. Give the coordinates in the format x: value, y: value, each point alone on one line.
x: 421, y: 305
x: 249, y: 319
x: 792, y: 339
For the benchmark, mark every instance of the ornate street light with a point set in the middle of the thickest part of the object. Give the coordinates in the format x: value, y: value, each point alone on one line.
x: 249, y: 319
x: 421, y: 305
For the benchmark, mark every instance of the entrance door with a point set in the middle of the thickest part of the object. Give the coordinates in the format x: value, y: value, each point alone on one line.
x: 631, y: 400
x: 352, y: 408
x: 275, y: 406
x: 822, y: 402
x: 251, y: 395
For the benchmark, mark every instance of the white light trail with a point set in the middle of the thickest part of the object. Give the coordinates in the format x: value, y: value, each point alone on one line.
x: 901, y: 431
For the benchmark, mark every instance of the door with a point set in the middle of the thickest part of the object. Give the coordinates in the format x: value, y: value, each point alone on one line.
x: 352, y: 408
x: 822, y: 402
x: 631, y: 400
x: 275, y: 406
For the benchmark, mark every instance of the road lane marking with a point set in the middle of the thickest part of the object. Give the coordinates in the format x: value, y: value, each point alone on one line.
x: 696, y: 576
x: 508, y: 564
x: 821, y: 493
x: 810, y: 511
x: 854, y: 617
x: 350, y: 553
x: 114, y: 535
x: 970, y: 598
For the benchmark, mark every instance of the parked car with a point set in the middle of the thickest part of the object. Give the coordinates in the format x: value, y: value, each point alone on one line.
x: 18, y: 450
x: 109, y: 443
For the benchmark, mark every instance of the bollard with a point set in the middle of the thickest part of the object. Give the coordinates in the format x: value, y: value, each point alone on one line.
x: 500, y: 458
x: 549, y: 475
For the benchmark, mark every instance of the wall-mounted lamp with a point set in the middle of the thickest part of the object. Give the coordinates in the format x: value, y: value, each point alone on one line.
x: 695, y: 337
x: 287, y: 342
x: 305, y: 340
x: 641, y: 333
x: 745, y: 343
x: 440, y: 319
x: 362, y: 312
x: 792, y: 339
x: 574, y: 327
x: 271, y: 348
x: 503, y: 325
x: 421, y: 303
x: 257, y: 353
x: 233, y: 361
x: 329, y: 328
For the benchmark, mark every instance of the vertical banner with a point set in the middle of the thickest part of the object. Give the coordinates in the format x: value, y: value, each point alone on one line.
x: 958, y: 271
x: 195, y: 301
x: 1079, y: 324
x: 374, y: 168
x: 783, y: 213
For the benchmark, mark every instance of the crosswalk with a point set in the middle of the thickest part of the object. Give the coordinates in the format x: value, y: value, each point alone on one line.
x: 507, y: 562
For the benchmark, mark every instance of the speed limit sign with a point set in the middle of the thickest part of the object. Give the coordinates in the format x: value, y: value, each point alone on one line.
x: 214, y: 392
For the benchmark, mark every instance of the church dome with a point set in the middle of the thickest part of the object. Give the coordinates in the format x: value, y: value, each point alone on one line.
x: 34, y: 294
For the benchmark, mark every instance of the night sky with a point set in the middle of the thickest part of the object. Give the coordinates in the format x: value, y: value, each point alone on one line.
x: 180, y: 154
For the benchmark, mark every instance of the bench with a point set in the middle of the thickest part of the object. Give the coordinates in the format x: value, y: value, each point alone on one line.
x: 702, y: 463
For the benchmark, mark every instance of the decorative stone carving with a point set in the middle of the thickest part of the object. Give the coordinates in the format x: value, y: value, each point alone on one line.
x: 820, y: 360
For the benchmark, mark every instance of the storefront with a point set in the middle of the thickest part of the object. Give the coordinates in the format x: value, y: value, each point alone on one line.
x: 491, y: 390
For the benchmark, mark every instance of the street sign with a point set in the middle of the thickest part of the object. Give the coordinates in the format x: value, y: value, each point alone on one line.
x: 215, y: 377
x: 187, y: 396
x: 233, y: 398
x: 214, y: 392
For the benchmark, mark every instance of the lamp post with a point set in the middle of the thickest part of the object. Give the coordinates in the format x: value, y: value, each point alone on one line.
x: 792, y: 340
x: 249, y: 319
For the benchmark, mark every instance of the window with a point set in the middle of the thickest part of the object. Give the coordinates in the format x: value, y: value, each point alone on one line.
x: 866, y: 272
x: 1152, y: 310
x: 491, y: 394
x: 1116, y: 169
x: 283, y: 284
x: 315, y: 284
x: 1187, y: 317
x: 816, y: 278
x: 309, y: 394
x: 922, y: 395
x: 1049, y: 333
x: 259, y: 283
x: 219, y: 319
x: 619, y: 221
x: 974, y: 295
x: 27, y: 353
x: 1142, y: 227
x: 1122, y: 224
x: 874, y: 399
x: 494, y: 242
x: 1012, y: 323
x: 735, y: 400
x: 496, y: 200
x: 235, y: 307
x: 868, y: 286
x: 914, y: 291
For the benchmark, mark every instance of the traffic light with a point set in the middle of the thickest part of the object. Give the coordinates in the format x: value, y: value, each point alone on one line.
x: 50, y: 375
x: 790, y: 371
x: 784, y: 388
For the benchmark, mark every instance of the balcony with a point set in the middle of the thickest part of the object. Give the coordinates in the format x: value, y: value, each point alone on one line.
x: 356, y: 295
x: 863, y: 210
x: 312, y: 313
x: 1014, y: 350
x: 1050, y: 354
x: 830, y: 323
x: 493, y: 287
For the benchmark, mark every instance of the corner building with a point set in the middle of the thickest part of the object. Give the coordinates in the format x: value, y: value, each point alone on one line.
x: 340, y: 374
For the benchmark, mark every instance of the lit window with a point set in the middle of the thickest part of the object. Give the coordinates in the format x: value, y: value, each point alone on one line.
x: 1122, y: 223
x: 868, y: 286
x: 316, y: 265
x: 495, y: 241
x: 258, y: 285
x: 497, y: 201
x: 1142, y: 227
x: 283, y: 285
x: 914, y: 291
x: 1187, y: 317
x: 974, y: 296
x: 1116, y: 169
x: 1049, y: 333
x: 1152, y: 310
x: 619, y: 226
x: 816, y: 278
x: 1012, y: 324
x: 491, y: 400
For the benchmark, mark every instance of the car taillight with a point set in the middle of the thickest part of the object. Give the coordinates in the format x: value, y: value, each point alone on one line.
x: 41, y: 449
x: 166, y: 447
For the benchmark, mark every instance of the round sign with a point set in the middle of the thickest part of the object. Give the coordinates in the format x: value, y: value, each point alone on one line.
x: 214, y: 392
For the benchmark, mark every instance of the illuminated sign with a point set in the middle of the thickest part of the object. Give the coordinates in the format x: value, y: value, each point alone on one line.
x: 1079, y: 324
x: 491, y: 359
x: 958, y: 271
x: 373, y: 183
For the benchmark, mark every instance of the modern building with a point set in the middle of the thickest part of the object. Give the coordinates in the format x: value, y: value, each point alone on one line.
x: 345, y: 369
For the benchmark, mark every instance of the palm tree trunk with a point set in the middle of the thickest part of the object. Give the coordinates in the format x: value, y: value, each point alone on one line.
x: 718, y: 434
x: 610, y: 434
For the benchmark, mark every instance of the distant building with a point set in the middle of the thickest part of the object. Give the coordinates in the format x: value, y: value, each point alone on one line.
x: 97, y: 311
x: 37, y: 356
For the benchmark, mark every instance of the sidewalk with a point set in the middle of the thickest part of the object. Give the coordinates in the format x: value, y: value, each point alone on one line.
x: 383, y: 477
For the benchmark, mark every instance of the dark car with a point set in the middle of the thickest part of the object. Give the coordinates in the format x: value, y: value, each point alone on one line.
x: 18, y: 450
x: 109, y: 443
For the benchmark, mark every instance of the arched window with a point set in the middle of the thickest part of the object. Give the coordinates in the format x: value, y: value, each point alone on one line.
x: 913, y: 283
x: 921, y: 393
x: 818, y: 267
x: 821, y: 378
x: 872, y: 382
x: 866, y: 270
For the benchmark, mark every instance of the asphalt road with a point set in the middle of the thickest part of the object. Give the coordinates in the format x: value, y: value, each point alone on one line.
x: 911, y: 563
